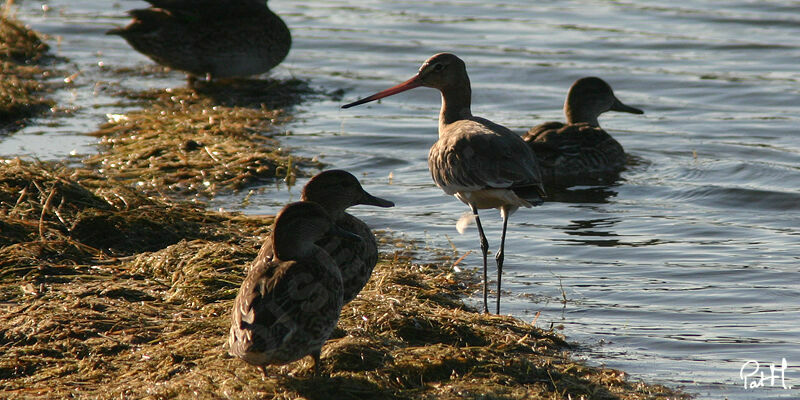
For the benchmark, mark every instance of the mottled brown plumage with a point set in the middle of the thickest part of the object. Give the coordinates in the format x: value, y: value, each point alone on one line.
x: 212, y: 38
x: 481, y: 163
x: 335, y: 191
x: 289, y: 304
x: 580, y: 152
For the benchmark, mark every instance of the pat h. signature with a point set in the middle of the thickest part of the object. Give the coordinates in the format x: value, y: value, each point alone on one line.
x: 755, y: 375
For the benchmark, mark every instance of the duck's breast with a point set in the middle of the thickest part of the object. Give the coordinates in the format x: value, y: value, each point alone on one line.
x: 356, y: 258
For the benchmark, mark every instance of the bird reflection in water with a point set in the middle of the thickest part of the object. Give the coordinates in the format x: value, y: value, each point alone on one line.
x: 598, y: 232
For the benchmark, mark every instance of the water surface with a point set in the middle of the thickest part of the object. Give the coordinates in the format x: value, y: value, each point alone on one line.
x: 678, y: 274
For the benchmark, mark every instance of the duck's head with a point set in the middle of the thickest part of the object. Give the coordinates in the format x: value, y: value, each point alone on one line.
x: 589, y: 97
x: 442, y: 71
x: 298, y: 225
x: 336, y: 190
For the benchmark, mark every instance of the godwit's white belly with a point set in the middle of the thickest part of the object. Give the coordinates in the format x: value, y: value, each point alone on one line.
x: 492, y: 198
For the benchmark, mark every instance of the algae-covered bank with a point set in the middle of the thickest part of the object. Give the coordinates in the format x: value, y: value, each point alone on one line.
x: 203, y: 140
x: 109, y: 293
x: 21, y: 73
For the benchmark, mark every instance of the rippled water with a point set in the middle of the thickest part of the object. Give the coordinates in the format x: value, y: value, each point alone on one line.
x: 678, y: 274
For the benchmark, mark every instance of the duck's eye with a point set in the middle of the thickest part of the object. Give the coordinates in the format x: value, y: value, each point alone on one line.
x: 438, y: 67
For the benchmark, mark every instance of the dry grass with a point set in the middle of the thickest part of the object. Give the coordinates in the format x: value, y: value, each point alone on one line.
x: 20, y: 74
x: 135, y: 318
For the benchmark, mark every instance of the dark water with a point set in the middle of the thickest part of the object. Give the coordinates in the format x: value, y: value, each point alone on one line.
x: 679, y: 274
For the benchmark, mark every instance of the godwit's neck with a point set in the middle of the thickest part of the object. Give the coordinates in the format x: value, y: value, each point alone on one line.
x: 455, y: 104
x: 577, y: 113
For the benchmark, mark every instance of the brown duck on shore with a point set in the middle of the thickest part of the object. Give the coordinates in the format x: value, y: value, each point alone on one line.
x: 336, y: 190
x: 289, y: 304
x: 209, y: 38
x: 580, y: 152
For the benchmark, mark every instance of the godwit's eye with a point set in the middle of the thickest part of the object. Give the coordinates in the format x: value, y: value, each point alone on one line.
x: 438, y: 67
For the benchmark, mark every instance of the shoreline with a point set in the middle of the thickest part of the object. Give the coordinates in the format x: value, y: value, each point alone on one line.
x: 117, y: 281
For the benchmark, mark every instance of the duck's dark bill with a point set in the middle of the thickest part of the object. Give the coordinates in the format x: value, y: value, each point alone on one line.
x: 620, y: 106
x: 371, y: 200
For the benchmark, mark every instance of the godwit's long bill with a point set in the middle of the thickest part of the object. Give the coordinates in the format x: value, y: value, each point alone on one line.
x: 481, y: 163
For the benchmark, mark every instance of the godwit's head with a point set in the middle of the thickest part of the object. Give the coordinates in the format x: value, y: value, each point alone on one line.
x: 442, y: 71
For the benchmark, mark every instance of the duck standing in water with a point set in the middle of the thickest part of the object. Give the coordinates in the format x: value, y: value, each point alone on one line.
x: 336, y: 190
x: 580, y: 152
x: 481, y: 163
x: 209, y: 38
x: 289, y: 304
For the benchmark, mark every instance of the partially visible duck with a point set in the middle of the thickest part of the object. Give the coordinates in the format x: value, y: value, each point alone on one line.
x: 336, y: 190
x: 580, y: 152
x: 209, y: 38
x: 289, y: 304
x: 481, y: 163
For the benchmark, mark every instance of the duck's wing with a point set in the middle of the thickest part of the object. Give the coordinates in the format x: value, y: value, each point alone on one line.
x: 248, y: 316
x: 145, y: 21
x: 576, y: 154
x: 189, y: 5
x: 542, y: 129
x: 193, y: 9
x: 279, y: 300
x: 569, y: 140
x: 266, y: 253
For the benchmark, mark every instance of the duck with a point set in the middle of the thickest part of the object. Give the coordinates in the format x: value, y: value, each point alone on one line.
x: 289, y: 304
x: 209, y: 38
x: 483, y: 164
x: 580, y: 152
x: 336, y: 190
